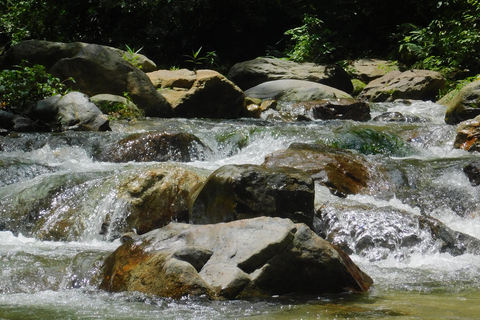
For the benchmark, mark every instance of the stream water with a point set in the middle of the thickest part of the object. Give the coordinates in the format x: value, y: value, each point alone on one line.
x: 57, y: 280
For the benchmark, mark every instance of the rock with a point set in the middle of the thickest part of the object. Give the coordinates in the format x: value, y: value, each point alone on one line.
x: 294, y: 90
x: 209, y: 95
x: 182, y: 78
x: 467, y: 135
x: 236, y: 192
x: 73, y: 111
x: 472, y: 171
x: 154, y: 198
x: 158, y: 146
x: 116, y: 106
x: 255, y: 107
x: 342, y: 171
x: 376, y: 232
x: 368, y: 70
x: 77, y: 112
x: 398, y: 117
x: 236, y: 260
x: 13, y: 122
x: 251, y: 73
x: 412, y: 84
x: 465, y: 105
x: 96, y: 69
x: 139, y: 60
x: 339, y: 109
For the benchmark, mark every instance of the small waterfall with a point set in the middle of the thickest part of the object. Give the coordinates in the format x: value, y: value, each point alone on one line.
x: 415, y: 230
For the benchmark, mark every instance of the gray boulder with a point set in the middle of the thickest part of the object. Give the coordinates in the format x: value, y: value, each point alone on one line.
x: 411, y: 84
x: 465, y: 105
x: 240, y: 259
x: 250, y: 73
x: 74, y: 111
x: 294, y: 90
x: 236, y: 192
x: 96, y: 69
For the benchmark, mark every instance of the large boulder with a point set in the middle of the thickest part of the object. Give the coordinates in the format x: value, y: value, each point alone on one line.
x: 200, y: 94
x: 236, y: 192
x: 294, y: 90
x: 368, y: 70
x: 240, y: 259
x: 250, y: 73
x: 465, y: 105
x: 411, y: 84
x: 154, y: 146
x: 338, y: 109
x: 342, y: 171
x: 96, y: 69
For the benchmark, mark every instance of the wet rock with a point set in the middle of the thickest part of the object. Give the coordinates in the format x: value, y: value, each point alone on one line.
x: 205, y: 94
x: 398, y: 117
x: 250, y: 73
x: 467, y: 135
x: 159, y: 146
x: 154, y: 198
x: 377, y: 232
x: 236, y: 192
x: 294, y: 90
x: 472, y: 171
x: 235, y: 260
x: 342, y: 171
x: 411, y: 84
x: 339, y: 109
x: 465, y: 104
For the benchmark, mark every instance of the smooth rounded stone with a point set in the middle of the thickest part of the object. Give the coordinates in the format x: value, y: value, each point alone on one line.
x: 398, y: 117
x: 465, y: 104
x: 337, y: 109
x: 294, y: 90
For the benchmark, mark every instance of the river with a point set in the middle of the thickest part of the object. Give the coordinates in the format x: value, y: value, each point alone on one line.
x: 57, y: 279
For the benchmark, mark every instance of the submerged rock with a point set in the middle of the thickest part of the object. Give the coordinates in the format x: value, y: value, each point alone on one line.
x: 236, y: 260
x: 159, y: 146
x: 236, y: 192
x: 342, y: 171
x: 338, y: 109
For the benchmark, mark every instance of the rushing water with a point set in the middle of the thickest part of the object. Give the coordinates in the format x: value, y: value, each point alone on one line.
x: 57, y: 280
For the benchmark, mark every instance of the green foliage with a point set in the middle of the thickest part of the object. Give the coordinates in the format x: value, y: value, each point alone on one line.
x: 450, y: 42
x: 309, y: 41
x: 120, y: 110
x: 132, y: 56
x: 196, y: 59
x: 370, y: 141
x: 24, y: 86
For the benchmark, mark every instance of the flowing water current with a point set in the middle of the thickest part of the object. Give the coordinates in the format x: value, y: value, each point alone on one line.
x: 413, y: 277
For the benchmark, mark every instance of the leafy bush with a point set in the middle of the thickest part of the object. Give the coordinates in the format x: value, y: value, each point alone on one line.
x: 449, y: 43
x: 309, y: 41
x: 24, y: 86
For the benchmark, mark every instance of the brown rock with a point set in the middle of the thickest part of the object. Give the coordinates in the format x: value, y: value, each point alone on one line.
x: 335, y: 109
x: 412, y: 84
